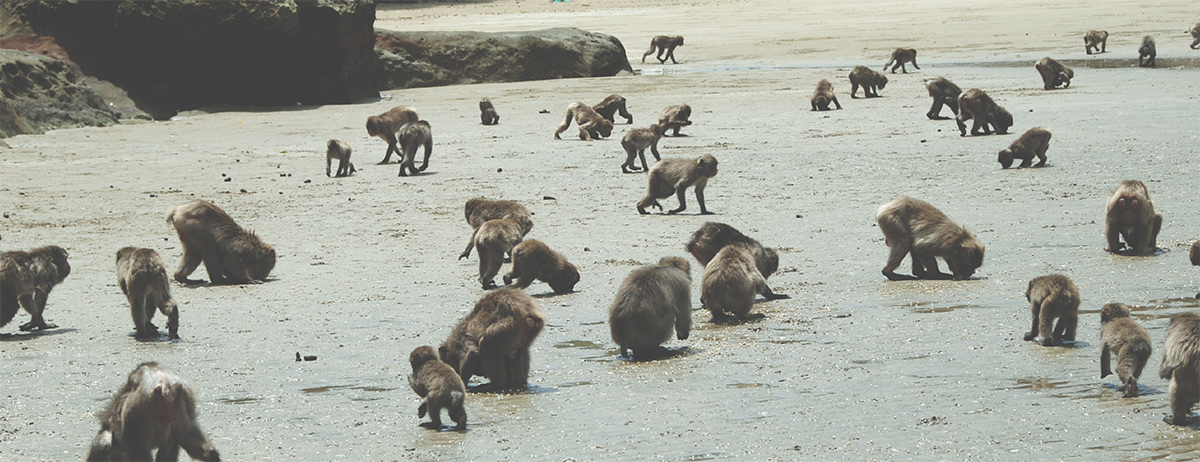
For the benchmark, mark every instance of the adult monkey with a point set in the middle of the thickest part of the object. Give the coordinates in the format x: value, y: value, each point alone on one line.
x: 664, y: 43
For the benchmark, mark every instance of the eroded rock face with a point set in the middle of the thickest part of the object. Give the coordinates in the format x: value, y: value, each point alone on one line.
x: 39, y: 93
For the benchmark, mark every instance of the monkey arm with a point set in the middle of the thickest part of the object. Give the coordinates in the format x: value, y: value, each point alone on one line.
x: 428, y: 151
x: 1104, y: 360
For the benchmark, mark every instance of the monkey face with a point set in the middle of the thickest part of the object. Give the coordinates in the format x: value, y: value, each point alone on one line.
x: 1002, y: 121
x: 1006, y: 158
x: 965, y: 261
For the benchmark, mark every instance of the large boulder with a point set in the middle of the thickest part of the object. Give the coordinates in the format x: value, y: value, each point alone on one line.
x: 425, y: 59
x: 39, y: 93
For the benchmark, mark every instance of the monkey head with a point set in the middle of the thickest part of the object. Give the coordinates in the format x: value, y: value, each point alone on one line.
x: 259, y: 266
x: 1006, y: 158
x: 707, y: 165
x: 967, y: 257
x: 1113, y: 311
x: 882, y: 81
x: 564, y: 282
x: 420, y: 355
x: 677, y: 263
x: 372, y: 125
x: 1001, y: 120
x: 59, y: 255
x: 769, y: 263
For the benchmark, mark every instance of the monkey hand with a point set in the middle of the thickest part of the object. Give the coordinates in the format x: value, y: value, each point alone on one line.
x: 464, y: 255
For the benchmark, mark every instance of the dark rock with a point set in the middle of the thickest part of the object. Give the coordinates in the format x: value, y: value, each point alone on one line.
x: 39, y: 93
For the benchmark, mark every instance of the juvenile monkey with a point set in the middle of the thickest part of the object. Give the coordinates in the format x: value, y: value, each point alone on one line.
x: 533, y: 259
x: 26, y: 279
x: 870, y: 81
x: 976, y: 104
x: 439, y: 385
x: 412, y: 136
x: 479, y: 210
x: 652, y: 302
x: 611, y: 106
x: 231, y: 255
x: 943, y: 92
x: 675, y: 117
x: 387, y: 124
x: 917, y: 227
x: 1147, y: 52
x: 339, y: 150
x: 1095, y: 40
x: 663, y: 43
x: 712, y: 237
x: 1054, y: 73
x: 493, y: 340
x: 824, y: 95
x: 1195, y: 31
x: 591, y: 124
x: 1127, y: 340
x: 635, y: 143
x: 901, y: 56
x: 1180, y: 364
x: 487, y: 112
x: 1130, y: 216
x: 674, y: 176
x: 143, y: 280
x: 1033, y: 142
x: 1053, y: 297
x: 730, y: 283
x: 493, y: 239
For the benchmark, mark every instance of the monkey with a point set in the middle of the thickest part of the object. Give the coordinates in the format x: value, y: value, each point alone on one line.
x: 339, y: 150
x: 143, y: 280
x: 901, y: 56
x: 635, y: 143
x: 533, y: 259
x: 675, y: 117
x: 412, y: 136
x: 493, y: 340
x: 712, y: 237
x: 1180, y: 363
x: 1147, y: 52
x: 823, y: 95
x: 1095, y: 40
x: 663, y: 43
x: 943, y: 92
x: 591, y: 124
x: 387, y: 124
x: 870, y: 81
x: 1130, y: 216
x: 487, y: 112
x: 1195, y: 31
x: 730, y: 282
x: 611, y: 106
x: 1194, y: 254
x: 653, y: 301
x: 231, y: 255
x: 155, y: 409
x: 1127, y: 340
x: 480, y: 210
x: 1054, y: 73
x: 493, y: 239
x: 976, y: 104
x: 914, y: 226
x: 674, y: 176
x: 439, y: 385
x: 26, y: 279
x: 1034, y: 142
x: 1052, y: 297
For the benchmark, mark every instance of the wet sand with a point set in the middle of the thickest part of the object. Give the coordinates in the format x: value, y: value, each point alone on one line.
x: 852, y: 367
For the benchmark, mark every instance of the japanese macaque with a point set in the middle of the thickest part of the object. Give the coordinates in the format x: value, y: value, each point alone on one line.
x: 155, y: 409
x: 976, y: 104
x: 635, y: 143
x: 675, y: 117
x: 653, y: 302
x: 731, y: 280
x: 412, y: 136
x: 1054, y: 73
x: 1033, y: 143
x: 870, y: 81
x: 712, y: 237
x: 339, y: 150
x: 673, y: 177
x: 387, y: 124
x: 943, y: 92
x: 493, y: 239
x: 493, y: 340
x: 143, y: 280
x: 1195, y: 31
x: 664, y: 43
x: 231, y: 255
x: 1052, y: 297
x: 1127, y: 340
x: 611, y: 106
x: 1130, y: 216
x: 1095, y: 40
x: 1180, y: 364
x: 533, y: 260
x: 487, y: 112
x: 901, y: 56
x: 26, y: 279
x: 1147, y: 52
x: 591, y: 124
x: 439, y: 386
x: 824, y: 95
x: 479, y: 210
x: 917, y: 227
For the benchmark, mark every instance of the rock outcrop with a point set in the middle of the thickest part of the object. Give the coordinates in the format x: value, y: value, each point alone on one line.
x: 39, y: 93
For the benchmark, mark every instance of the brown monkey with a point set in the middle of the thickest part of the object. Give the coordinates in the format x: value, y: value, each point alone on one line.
x: 26, y: 279
x: 1034, y: 142
x: 943, y: 92
x: 635, y: 143
x: 493, y: 340
x: 901, y: 56
x: 1194, y: 253
x: 143, y: 280
x: 1130, y: 216
x: 439, y: 385
x: 1052, y: 297
x: 339, y: 150
x: 533, y: 259
x: 611, y: 106
x: 1181, y: 364
x: 1127, y: 340
x: 487, y: 112
x: 231, y: 255
x: 730, y: 282
x: 493, y: 239
x: 712, y: 237
x: 387, y: 124
x: 1147, y: 52
x: 591, y: 124
x: 652, y: 302
x: 1095, y: 40
x: 664, y: 43
x: 675, y: 117
x: 870, y: 81
x: 674, y: 176
x: 480, y: 210
x: 824, y: 95
x: 976, y: 104
x: 412, y: 136
x: 1195, y: 31
x: 155, y: 409
x: 917, y: 227
x: 1054, y: 73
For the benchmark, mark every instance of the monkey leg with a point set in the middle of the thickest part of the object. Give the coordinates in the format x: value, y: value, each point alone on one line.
x: 1046, y: 327
x: 192, y: 256
x: 896, y: 253
x: 171, y: 311
x: 962, y: 127
x: 192, y: 439
x: 1183, y: 395
x: 915, y: 66
x: 433, y: 402
x: 625, y: 113
x: 928, y: 266
x: 1105, y: 360
x: 470, y: 244
x: 854, y: 89
x: 671, y: 54
x: 648, y: 52
x: 36, y: 305
x: 9, y: 305
x: 518, y: 369
x: 1041, y: 155
x: 458, y: 415
x: 1065, y: 329
x: 489, y: 265
x: 328, y: 163
x: 1131, y: 388
x: 1026, y: 160
x: 935, y: 110
x: 428, y: 151
x: 137, y: 308
x: 1156, y: 226
x: 836, y: 103
x: 1113, y: 235
x: 1036, y: 309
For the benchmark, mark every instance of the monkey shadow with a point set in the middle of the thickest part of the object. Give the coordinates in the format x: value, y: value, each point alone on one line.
x: 1128, y: 252
x: 441, y: 428
x: 160, y: 338
x: 1142, y: 390
x: 1065, y: 344
x: 198, y: 283
x: 551, y: 294
x: 728, y: 320
x: 529, y: 389
x: 36, y: 334
x: 655, y: 354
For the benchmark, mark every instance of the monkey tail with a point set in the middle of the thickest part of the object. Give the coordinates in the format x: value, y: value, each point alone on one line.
x: 456, y: 398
